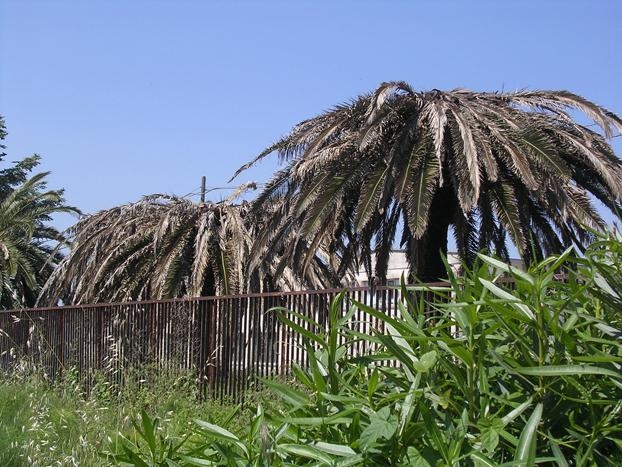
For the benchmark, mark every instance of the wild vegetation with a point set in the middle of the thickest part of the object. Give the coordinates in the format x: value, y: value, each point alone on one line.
x: 43, y: 424
x: 498, y: 375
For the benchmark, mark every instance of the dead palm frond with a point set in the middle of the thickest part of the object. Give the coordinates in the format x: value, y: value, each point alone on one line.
x: 493, y: 166
x: 164, y: 247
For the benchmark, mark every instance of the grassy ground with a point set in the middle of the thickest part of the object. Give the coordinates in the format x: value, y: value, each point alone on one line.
x: 43, y: 425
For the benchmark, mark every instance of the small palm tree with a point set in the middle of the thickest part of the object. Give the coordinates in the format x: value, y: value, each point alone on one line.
x: 29, y: 246
x: 492, y: 167
x: 164, y: 247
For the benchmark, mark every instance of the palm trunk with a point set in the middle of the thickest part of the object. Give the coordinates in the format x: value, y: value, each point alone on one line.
x: 426, y: 253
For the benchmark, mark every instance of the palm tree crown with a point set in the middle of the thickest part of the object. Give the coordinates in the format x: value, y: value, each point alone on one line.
x: 28, y: 246
x: 164, y: 247
x: 488, y: 165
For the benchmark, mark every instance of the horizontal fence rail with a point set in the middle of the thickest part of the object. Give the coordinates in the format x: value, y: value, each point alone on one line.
x: 226, y: 343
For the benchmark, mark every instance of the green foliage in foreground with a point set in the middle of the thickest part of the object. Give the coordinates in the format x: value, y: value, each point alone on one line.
x: 44, y: 425
x: 494, y: 376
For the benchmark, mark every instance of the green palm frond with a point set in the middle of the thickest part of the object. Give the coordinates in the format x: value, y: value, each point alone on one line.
x: 29, y: 247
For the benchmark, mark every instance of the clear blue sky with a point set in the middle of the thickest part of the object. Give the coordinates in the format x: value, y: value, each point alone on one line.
x: 127, y: 98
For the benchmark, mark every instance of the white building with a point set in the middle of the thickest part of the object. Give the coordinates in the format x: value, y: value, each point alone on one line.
x: 398, y: 266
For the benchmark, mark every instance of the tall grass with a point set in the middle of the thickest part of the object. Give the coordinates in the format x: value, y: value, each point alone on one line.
x: 44, y: 424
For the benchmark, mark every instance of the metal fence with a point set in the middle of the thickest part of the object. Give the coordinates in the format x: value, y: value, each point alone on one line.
x: 225, y: 342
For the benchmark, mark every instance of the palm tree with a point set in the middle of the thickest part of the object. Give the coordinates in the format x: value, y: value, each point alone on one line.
x: 28, y: 246
x: 164, y: 247
x: 488, y: 166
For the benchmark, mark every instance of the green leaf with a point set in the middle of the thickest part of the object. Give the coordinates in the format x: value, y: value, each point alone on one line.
x: 318, y: 370
x: 408, y: 406
x: 339, y: 418
x: 507, y: 268
x: 415, y: 458
x: 349, y: 401
x: 458, y: 350
x: 610, y: 331
x: 567, y: 370
x: 307, y: 451
x: 381, y: 425
x: 149, y: 430
x: 382, y: 316
x: 597, y: 358
x: 426, y: 362
x: 357, y: 459
x: 257, y: 422
x: 133, y: 458
x: 489, y: 438
x: 440, y: 441
x: 221, y: 433
x: 311, y: 335
x: 601, y: 282
x: 372, y: 384
x: 287, y: 393
x: 557, y: 452
x: 511, y: 299
x: 398, y: 353
x: 480, y: 460
x: 526, y: 449
x: 197, y: 461
x: 516, y: 412
x: 335, y: 449
x: 302, y: 376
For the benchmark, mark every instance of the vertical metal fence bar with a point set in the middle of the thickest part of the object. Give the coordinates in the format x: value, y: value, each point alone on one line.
x: 236, y: 344
x: 212, y: 348
x: 226, y: 346
x: 270, y: 338
x: 233, y: 347
x: 82, y: 345
x: 248, y: 338
x: 256, y: 311
x: 240, y: 385
x: 220, y: 336
x: 71, y: 339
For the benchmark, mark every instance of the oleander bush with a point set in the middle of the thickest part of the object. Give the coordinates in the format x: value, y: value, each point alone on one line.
x: 518, y: 372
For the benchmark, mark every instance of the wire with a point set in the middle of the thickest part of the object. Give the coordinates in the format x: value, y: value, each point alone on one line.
x: 216, y: 188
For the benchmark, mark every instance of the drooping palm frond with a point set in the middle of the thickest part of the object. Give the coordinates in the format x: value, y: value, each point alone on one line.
x: 164, y: 247
x: 495, y: 166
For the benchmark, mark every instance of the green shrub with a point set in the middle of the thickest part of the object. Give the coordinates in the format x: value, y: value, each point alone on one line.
x: 501, y: 374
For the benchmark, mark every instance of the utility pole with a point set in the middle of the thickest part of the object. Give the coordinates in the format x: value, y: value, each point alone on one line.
x: 203, y: 189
